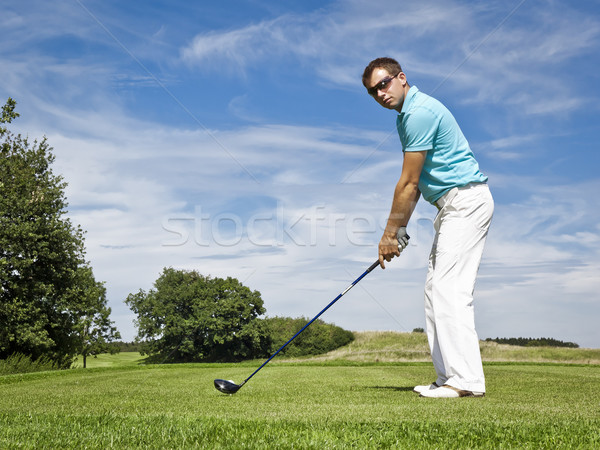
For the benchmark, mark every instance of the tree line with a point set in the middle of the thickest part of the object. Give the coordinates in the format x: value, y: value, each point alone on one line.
x: 317, y: 339
x: 534, y: 342
x: 190, y: 317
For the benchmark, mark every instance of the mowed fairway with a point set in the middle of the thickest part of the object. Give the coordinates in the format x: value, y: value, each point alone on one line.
x: 299, y: 405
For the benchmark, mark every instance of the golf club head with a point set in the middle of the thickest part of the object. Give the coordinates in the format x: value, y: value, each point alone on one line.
x: 227, y: 386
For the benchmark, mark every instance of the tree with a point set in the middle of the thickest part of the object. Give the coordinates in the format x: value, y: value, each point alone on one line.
x: 8, y: 114
x: 41, y: 252
x: 190, y: 317
x: 93, y: 329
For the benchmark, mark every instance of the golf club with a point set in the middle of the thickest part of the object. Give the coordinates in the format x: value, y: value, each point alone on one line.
x: 229, y: 387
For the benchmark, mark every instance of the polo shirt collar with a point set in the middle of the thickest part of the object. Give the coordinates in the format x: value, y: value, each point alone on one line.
x: 410, y: 96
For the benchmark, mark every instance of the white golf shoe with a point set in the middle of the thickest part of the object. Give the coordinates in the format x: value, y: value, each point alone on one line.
x: 447, y: 391
x: 419, y: 389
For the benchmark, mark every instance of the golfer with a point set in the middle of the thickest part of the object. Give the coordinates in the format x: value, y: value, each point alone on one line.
x: 439, y: 165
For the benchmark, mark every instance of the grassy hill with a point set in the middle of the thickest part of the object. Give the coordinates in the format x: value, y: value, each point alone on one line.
x: 391, y: 346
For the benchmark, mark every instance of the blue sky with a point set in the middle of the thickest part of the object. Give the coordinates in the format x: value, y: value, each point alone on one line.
x: 236, y: 139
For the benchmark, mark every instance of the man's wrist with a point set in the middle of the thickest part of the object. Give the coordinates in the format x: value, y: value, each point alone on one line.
x: 391, y: 230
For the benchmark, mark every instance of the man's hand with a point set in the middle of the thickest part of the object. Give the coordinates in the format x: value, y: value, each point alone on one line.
x: 392, y: 245
x: 402, y: 237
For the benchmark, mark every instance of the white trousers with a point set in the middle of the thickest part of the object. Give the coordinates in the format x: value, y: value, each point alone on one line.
x: 461, y: 228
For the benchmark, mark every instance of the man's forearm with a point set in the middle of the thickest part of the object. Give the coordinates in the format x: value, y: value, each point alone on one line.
x: 406, y: 196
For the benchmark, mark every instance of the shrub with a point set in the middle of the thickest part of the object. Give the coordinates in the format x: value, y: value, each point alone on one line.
x: 318, y: 338
x: 19, y: 363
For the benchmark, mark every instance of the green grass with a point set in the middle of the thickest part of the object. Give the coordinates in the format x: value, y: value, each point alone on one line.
x: 108, y: 360
x: 301, y: 406
x: 306, y: 404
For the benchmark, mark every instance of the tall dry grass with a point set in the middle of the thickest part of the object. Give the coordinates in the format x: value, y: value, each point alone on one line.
x: 392, y: 346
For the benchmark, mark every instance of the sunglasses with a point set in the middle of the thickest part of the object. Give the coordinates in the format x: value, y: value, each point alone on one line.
x: 382, y: 85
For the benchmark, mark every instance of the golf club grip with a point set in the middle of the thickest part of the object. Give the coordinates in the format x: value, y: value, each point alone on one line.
x: 365, y: 273
x: 375, y: 264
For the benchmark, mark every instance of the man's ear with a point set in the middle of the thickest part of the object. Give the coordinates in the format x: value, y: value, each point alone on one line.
x: 402, y: 77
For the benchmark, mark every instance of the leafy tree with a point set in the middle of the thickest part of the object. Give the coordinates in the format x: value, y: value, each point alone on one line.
x: 93, y: 329
x: 8, y: 114
x: 191, y: 317
x: 41, y: 253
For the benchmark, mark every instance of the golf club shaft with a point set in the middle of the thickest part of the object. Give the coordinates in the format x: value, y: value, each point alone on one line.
x: 375, y: 264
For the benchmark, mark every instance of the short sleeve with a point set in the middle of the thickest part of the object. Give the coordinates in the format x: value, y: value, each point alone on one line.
x: 418, y: 129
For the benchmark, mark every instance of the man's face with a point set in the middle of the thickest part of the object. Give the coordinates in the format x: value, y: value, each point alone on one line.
x: 387, y: 89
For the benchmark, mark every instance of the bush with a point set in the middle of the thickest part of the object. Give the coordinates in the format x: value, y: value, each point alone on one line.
x: 19, y: 363
x: 318, y: 338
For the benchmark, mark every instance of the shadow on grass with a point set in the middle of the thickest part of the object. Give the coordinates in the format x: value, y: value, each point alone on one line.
x: 393, y: 388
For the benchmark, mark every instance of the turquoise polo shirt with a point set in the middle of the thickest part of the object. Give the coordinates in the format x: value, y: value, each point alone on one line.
x: 425, y: 124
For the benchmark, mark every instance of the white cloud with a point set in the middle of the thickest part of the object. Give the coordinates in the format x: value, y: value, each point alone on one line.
x: 513, y: 65
x: 237, y: 46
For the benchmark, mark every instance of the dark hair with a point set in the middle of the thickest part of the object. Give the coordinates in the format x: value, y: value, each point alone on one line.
x: 389, y: 64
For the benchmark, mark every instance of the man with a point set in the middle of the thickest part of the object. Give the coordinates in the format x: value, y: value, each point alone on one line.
x: 439, y: 165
